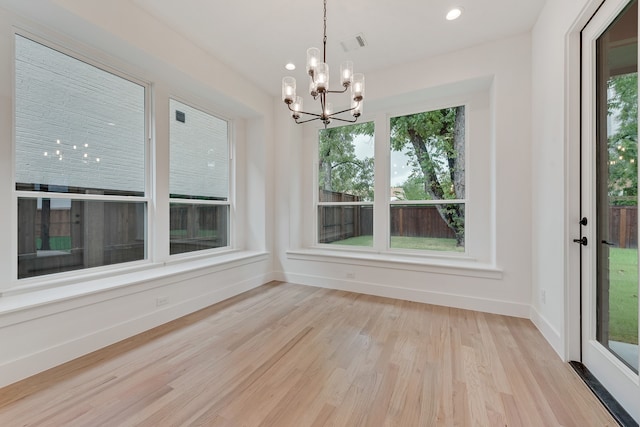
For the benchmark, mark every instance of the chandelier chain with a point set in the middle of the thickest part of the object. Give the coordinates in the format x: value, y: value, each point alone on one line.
x: 324, y: 40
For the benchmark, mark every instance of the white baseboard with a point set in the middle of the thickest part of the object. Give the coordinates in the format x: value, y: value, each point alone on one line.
x: 32, y: 364
x: 552, y: 336
x: 437, y: 298
x: 550, y: 333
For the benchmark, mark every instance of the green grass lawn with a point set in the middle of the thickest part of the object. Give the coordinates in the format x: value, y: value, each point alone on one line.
x: 623, y: 295
x: 402, y: 242
x: 56, y: 243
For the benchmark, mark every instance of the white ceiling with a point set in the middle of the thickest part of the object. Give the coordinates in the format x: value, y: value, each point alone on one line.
x: 258, y: 38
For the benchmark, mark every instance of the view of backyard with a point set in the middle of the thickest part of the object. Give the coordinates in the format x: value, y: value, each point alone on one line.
x: 623, y: 295
x: 404, y: 242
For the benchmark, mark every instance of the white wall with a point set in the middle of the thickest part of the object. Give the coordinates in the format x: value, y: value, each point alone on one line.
x: 555, y: 165
x: 49, y: 320
x: 502, y: 282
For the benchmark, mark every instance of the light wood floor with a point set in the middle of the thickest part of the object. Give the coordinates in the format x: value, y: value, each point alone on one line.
x: 287, y: 355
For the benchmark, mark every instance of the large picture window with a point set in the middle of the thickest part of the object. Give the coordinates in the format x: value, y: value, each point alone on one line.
x: 199, y: 180
x: 346, y: 185
x: 427, y: 180
x: 80, y: 163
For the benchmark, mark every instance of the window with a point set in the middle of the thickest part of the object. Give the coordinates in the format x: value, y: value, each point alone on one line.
x: 80, y: 158
x: 427, y: 180
x: 199, y: 180
x: 346, y: 185
x: 426, y: 194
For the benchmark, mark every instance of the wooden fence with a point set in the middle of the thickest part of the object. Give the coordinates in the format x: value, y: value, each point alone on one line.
x: 344, y: 221
x: 623, y: 226
x: 335, y: 222
x: 419, y: 221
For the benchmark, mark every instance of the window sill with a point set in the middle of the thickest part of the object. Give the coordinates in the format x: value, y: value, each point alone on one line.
x: 23, y: 298
x: 457, y: 266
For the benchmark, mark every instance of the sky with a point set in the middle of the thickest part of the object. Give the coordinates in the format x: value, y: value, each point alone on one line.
x: 400, y: 162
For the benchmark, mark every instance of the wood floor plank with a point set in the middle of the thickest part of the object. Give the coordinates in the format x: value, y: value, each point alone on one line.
x: 287, y: 355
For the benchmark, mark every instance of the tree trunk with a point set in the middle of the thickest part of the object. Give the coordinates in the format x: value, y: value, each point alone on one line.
x: 451, y: 214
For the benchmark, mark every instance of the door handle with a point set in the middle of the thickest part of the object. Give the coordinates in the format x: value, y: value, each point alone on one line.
x: 583, y: 221
x: 582, y: 241
x: 608, y: 243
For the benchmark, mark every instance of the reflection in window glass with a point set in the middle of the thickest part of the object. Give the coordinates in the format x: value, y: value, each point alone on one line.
x: 56, y: 235
x: 196, y: 227
x: 346, y: 185
x: 199, y: 180
x: 80, y: 130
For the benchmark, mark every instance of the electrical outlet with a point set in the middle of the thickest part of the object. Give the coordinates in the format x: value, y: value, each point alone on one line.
x: 160, y: 301
x: 351, y: 276
x: 543, y: 296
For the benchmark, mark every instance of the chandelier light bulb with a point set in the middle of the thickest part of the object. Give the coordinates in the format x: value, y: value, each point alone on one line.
x: 358, y: 87
x: 328, y: 109
x: 288, y: 89
x: 322, y: 77
x: 313, y: 59
x: 356, y: 108
x: 297, y: 107
x: 346, y: 73
x: 313, y: 89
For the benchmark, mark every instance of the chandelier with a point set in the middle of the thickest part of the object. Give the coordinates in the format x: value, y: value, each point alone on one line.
x: 319, y: 87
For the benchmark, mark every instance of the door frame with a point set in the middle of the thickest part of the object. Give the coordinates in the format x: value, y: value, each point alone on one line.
x: 578, y: 298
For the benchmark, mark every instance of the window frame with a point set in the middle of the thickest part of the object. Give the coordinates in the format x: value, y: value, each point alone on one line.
x: 316, y: 191
x: 146, y: 198
x: 464, y: 201
x: 480, y: 212
x: 231, y: 238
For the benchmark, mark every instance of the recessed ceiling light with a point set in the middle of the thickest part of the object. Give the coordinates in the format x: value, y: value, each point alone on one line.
x: 454, y: 14
x: 290, y: 66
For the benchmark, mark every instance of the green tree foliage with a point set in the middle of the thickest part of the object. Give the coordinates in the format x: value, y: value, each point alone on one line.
x: 434, y: 141
x: 623, y: 144
x: 340, y: 170
x: 413, y: 188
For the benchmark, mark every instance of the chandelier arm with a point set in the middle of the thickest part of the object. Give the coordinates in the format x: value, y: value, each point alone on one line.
x: 306, y: 121
x: 303, y: 112
x: 340, y: 112
x: 345, y: 120
x: 338, y: 91
x: 343, y: 111
x: 310, y: 114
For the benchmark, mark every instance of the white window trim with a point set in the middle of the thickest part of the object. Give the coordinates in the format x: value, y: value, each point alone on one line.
x: 51, y: 43
x: 156, y: 260
x: 230, y: 202
x: 465, y: 254
x: 479, y: 255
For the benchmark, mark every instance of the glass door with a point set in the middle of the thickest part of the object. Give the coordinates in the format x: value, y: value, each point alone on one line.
x: 610, y: 200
